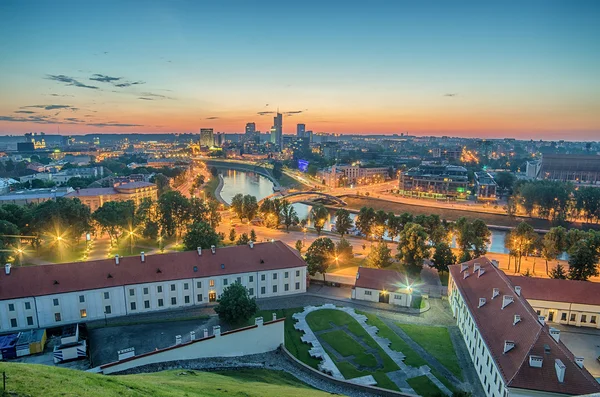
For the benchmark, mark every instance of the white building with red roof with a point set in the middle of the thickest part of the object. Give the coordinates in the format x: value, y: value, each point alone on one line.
x: 514, y: 351
x: 55, y: 295
x: 381, y: 285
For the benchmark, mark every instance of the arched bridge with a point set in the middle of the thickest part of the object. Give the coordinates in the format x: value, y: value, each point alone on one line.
x: 335, y: 199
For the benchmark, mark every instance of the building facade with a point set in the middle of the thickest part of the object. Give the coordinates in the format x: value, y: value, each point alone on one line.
x: 277, y: 131
x: 55, y: 295
x: 576, y: 168
x: 485, y: 187
x: 514, y: 351
x: 207, y: 137
x: 435, y: 181
x: 300, y: 130
x: 134, y: 191
x: 346, y: 175
x: 380, y: 285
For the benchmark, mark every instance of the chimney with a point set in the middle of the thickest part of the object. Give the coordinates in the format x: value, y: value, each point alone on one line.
x: 117, y: 259
x: 560, y: 370
x: 258, y: 321
x: 495, y: 292
x: 517, y: 319
x: 251, y: 244
x: 217, y: 330
x: 555, y: 334
x: 481, y: 302
x: 143, y: 256
x: 274, y: 316
x: 508, y: 345
x: 476, y: 267
x: 206, y: 332
x: 213, y: 249
x: 466, y: 274
x: 518, y: 290
x: 178, y: 339
x: 542, y: 320
x: 192, y: 335
x: 464, y: 267
x: 199, y: 251
x: 536, y: 361
x: 507, y: 300
x: 579, y: 361
x: 7, y: 269
x: 481, y: 271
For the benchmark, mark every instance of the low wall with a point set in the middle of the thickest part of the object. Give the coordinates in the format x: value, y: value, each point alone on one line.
x: 255, y: 339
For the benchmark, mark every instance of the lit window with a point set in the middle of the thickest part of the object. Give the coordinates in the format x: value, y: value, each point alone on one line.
x: 83, y: 313
x: 211, y: 283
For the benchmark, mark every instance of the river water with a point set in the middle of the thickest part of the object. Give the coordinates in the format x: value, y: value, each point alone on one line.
x: 235, y: 182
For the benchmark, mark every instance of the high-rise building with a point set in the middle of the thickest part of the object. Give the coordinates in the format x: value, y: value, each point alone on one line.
x: 300, y: 130
x: 206, y: 137
x: 250, y: 130
x: 278, y: 127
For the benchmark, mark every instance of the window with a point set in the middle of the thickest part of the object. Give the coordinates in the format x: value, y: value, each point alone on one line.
x: 224, y: 281
x: 132, y: 304
x: 160, y: 303
x: 199, y: 297
x: 13, y: 322
x: 274, y: 289
x: 297, y: 273
x: 572, y: 317
x: 286, y: 287
x: 81, y: 299
x: 538, y: 312
x: 239, y: 280
x: 286, y: 275
x: 583, y: 318
x: 186, y: 299
x: 398, y: 297
x: 27, y: 305
x: 211, y: 283
x: 107, y: 309
x: 57, y: 317
x: 11, y: 307
x: 262, y: 277
x: 251, y: 279
x: 83, y: 313
x: 251, y: 291
x: 29, y: 320
x: 146, y: 304
x: 173, y: 301
x: 159, y: 289
x: 563, y: 317
x: 593, y: 319
x: 186, y: 286
x: 172, y: 287
x: 368, y: 293
x: 145, y: 290
x: 55, y: 301
x: 131, y: 292
x: 297, y: 285
x: 274, y: 276
x: 198, y: 284
x: 106, y: 295
x: 263, y: 290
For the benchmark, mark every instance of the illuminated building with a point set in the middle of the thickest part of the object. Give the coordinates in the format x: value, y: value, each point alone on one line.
x: 435, y: 181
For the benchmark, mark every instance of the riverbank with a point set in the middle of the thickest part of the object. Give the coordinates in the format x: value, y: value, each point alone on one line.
x: 217, y: 191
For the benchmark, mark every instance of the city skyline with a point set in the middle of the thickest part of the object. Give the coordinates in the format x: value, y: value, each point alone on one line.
x: 522, y: 70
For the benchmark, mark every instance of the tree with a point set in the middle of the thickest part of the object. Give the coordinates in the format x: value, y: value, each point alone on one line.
x: 343, y: 222
x: 232, y: 235
x: 7, y: 241
x: 343, y: 249
x: 365, y: 220
x: 250, y: 207
x: 380, y: 256
x: 582, y: 264
x: 214, y: 171
x: 505, y: 181
x: 174, y: 210
x: 237, y: 203
x: 299, y: 246
x: 288, y: 214
x: 114, y: 217
x: 443, y: 257
x: 253, y: 235
x: 214, y: 217
x: 413, y: 248
x: 318, y: 256
x: 319, y: 215
x: 520, y: 241
x: 472, y: 237
x: 553, y: 244
x: 394, y: 225
x: 146, y: 219
x: 163, y: 183
x: 558, y: 272
x: 380, y: 224
x: 200, y: 234
x: 243, y: 239
x: 235, y: 304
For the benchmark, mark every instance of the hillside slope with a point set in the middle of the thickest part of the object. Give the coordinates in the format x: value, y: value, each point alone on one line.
x: 39, y: 380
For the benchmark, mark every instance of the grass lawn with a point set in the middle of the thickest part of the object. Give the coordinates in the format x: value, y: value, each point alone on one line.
x: 423, y: 386
x: 289, y: 182
x: 436, y: 340
x: 210, y: 186
x: 342, y: 343
x: 54, y: 381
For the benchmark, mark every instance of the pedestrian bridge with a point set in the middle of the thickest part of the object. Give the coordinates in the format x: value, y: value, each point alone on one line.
x: 298, y: 196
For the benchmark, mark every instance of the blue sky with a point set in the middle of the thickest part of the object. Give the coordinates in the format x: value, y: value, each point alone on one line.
x: 527, y: 67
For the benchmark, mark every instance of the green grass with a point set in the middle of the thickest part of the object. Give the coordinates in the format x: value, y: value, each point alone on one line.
x: 423, y: 386
x: 436, y: 340
x: 289, y: 182
x: 54, y: 381
x: 210, y: 186
x: 342, y: 343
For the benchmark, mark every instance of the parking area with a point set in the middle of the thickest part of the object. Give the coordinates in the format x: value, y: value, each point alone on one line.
x: 583, y: 342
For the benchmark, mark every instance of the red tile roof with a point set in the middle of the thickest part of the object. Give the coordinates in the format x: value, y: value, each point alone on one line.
x: 381, y: 279
x: 496, y: 326
x: 79, y: 276
x: 548, y: 289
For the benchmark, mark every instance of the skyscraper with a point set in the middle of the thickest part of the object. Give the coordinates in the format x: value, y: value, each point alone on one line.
x: 300, y: 128
x: 278, y: 126
x: 250, y: 130
x: 206, y: 137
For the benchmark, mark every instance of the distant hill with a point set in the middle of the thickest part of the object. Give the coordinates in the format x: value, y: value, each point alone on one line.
x: 30, y: 380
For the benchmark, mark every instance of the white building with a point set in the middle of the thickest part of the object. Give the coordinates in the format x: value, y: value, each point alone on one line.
x: 379, y: 285
x: 514, y: 351
x: 54, y: 295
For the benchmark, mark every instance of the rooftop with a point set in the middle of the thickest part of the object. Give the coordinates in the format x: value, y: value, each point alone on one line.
x: 381, y: 280
x: 80, y: 276
x: 556, y: 290
x: 529, y: 336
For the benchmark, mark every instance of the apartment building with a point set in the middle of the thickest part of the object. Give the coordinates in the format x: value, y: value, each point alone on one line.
x: 434, y: 181
x: 134, y: 191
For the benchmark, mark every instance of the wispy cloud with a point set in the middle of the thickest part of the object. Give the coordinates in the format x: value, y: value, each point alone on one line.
x: 451, y: 94
x: 145, y: 99
x: 51, y: 107
x: 293, y: 112
x: 114, y: 124
x: 264, y: 113
x: 104, y: 78
x: 70, y: 81
x: 25, y: 111
x: 62, y: 95
x: 129, y: 84
x: 212, y: 118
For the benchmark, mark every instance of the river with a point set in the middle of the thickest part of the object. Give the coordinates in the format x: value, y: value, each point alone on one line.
x: 235, y: 182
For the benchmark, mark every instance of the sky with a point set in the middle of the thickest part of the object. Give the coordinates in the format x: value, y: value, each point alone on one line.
x: 524, y: 69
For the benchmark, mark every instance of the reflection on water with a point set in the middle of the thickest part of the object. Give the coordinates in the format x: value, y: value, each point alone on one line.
x: 249, y: 183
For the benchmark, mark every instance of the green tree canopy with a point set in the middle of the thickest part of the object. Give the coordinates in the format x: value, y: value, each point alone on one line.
x: 318, y: 256
x: 343, y: 222
x: 200, y: 234
x: 319, y: 216
x: 443, y: 257
x: 413, y: 248
x: 235, y: 304
x: 365, y: 221
x: 380, y: 256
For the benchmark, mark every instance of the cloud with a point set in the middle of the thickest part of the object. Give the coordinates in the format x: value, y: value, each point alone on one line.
x: 155, y: 96
x: 104, y: 78
x: 114, y: 124
x: 24, y: 111
x: 50, y: 107
x: 129, y: 84
x: 62, y: 95
x: 451, y: 95
x: 61, y: 78
x: 212, y: 118
x: 265, y: 113
x: 145, y: 99
x: 293, y: 112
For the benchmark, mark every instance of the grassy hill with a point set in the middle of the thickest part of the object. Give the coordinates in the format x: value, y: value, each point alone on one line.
x: 38, y: 380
